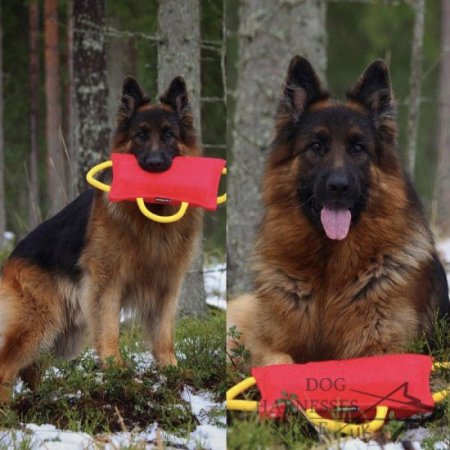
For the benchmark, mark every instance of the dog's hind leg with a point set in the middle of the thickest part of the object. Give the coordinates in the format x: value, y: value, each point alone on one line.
x: 30, y: 320
x: 31, y: 375
x: 21, y: 345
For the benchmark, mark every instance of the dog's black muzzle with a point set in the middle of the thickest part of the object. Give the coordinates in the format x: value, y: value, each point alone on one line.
x: 154, y: 161
x: 338, y: 189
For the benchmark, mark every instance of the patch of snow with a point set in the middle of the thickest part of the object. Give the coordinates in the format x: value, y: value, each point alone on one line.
x: 358, y: 444
x: 201, y: 404
x: 206, y: 435
x: 48, y: 437
x: 441, y: 446
x: 215, y: 279
x: 143, y: 361
x: 127, y: 439
x: 414, y: 436
x: 417, y: 435
x: 443, y: 247
x: 209, y: 437
x: 352, y: 444
x: 9, y: 236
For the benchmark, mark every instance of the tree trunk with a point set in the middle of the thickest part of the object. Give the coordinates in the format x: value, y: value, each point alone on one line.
x: 55, y: 157
x: 2, y: 143
x: 69, y: 122
x: 34, y: 215
x: 179, y: 54
x: 91, y: 89
x: 118, y: 68
x: 415, y: 83
x: 270, y: 33
x: 441, y: 207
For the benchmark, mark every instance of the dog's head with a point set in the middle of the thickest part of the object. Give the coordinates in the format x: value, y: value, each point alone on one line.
x: 331, y: 146
x: 155, y: 133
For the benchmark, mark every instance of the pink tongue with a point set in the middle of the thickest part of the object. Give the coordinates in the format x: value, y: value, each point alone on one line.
x: 336, y: 222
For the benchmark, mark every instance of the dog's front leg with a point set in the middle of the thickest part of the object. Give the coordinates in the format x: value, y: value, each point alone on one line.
x: 101, y: 308
x: 159, y: 324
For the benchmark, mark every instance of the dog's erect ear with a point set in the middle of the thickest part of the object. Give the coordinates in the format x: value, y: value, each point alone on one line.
x: 374, y: 89
x: 176, y: 96
x: 132, y: 97
x: 302, y: 87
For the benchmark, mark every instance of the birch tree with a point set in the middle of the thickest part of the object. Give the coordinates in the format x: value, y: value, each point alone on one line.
x: 270, y: 33
x: 179, y: 54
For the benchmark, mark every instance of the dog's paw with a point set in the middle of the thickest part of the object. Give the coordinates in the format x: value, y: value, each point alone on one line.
x: 5, y: 393
x: 166, y: 359
x: 112, y: 361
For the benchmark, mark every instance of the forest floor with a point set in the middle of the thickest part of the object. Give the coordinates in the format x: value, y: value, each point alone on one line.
x: 77, y: 406
x: 247, y: 431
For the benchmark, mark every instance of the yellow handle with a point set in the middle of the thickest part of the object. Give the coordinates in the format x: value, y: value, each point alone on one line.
x: 162, y: 219
x: 98, y: 184
x: 241, y: 405
x: 222, y: 198
x: 335, y: 426
x: 440, y: 396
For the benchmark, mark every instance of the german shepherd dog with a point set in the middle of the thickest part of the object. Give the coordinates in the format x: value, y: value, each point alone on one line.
x: 66, y: 283
x: 345, y: 264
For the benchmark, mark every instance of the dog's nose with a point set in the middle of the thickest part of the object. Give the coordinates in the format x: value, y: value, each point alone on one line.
x: 155, y: 162
x: 338, y: 184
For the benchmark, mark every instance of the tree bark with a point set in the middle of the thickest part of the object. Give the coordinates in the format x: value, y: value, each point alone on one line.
x: 69, y: 122
x: 34, y: 215
x: 415, y: 83
x: 55, y: 160
x: 118, y: 68
x: 179, y: 54
x: 2, y: 143
x: 270, y: 33
x: 441, y: 204
x: 91, y: 89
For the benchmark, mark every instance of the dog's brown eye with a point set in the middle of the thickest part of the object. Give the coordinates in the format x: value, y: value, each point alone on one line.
x: 142, y: 135
x: 357, y: 148
x: 317, y: 146
x: 167, y: 134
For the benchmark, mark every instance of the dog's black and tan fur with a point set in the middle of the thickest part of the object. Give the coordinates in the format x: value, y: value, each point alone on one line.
x: 66, y: 283
x: 369, y: 286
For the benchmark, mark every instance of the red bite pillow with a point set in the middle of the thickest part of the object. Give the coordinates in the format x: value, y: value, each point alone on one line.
x: 353, y: 387
x: 191, y: 179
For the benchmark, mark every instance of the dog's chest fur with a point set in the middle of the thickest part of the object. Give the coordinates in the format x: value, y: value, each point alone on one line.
x: 142, y: 252
x: 344, y: 306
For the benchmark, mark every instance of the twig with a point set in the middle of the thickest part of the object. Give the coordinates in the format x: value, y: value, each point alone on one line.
x: 120, y: 418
